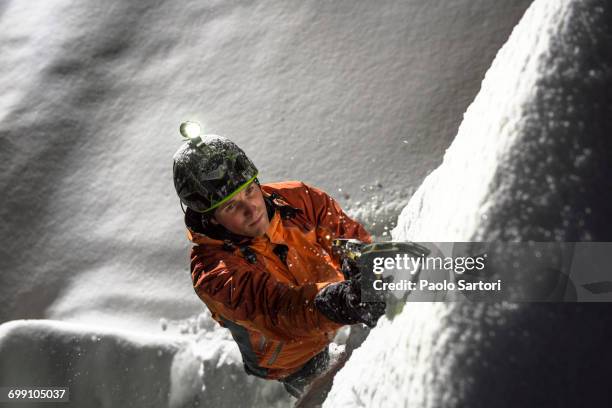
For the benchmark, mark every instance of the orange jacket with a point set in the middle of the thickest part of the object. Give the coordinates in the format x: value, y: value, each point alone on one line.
x: 263, y: 289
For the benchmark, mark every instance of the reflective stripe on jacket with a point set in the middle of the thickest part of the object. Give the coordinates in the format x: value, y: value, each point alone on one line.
x: 267, y: 301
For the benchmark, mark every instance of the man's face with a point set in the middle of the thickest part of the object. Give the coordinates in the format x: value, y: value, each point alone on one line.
x: 245, y: 214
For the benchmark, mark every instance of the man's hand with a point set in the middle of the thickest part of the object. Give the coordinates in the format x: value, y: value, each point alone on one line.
x: 341, y: 303
x: 350, y: 270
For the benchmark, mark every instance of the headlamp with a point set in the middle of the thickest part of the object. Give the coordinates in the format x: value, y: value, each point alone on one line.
x: 191, y: 131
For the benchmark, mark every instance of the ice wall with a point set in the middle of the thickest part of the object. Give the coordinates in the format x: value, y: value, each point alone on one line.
x: 531, y: 161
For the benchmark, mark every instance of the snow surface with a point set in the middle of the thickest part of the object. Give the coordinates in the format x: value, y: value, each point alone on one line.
x: 110, y: 368
x: 531, y: 161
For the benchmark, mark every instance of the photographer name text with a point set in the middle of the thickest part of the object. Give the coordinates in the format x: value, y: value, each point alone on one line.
x: 423, y: 285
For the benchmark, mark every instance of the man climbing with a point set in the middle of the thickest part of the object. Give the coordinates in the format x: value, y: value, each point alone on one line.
x: 262, y: 260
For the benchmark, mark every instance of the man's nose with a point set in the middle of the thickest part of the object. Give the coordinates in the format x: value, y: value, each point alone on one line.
x: 250, y: 208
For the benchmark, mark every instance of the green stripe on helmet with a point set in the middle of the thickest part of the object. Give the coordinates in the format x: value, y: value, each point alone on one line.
x: 229, y: 197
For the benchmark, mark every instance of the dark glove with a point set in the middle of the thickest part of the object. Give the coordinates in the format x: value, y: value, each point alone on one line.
x: 350, y: 270
x: 341, y: 303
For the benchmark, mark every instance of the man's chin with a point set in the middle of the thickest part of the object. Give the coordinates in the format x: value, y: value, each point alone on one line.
x: 260, y: 230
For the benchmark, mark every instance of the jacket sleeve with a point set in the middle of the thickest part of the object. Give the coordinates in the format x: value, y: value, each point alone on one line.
x: 254, y: 299
x: 331, y: 221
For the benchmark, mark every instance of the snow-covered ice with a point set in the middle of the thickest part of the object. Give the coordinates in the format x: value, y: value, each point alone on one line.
x: 531, y: 161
